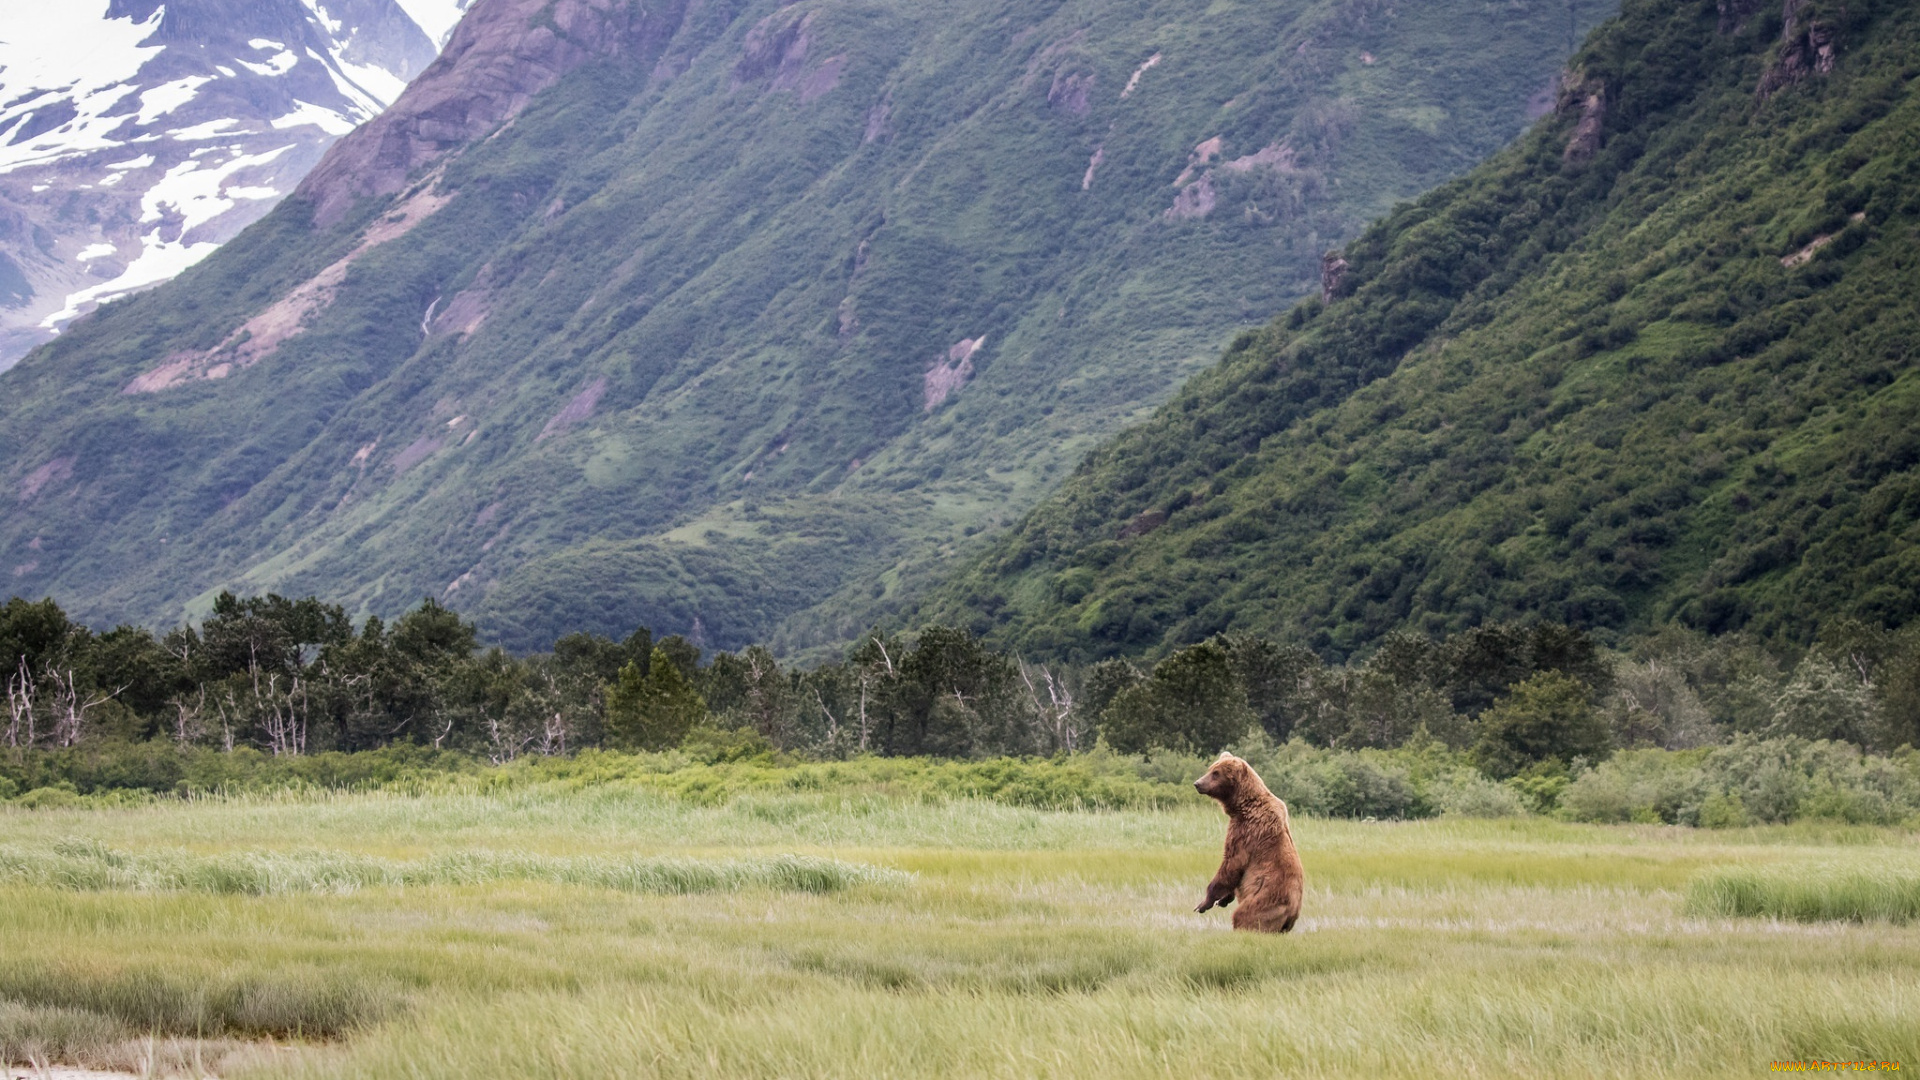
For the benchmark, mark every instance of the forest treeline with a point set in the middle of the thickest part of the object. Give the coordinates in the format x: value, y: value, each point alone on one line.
x: 291, y: 677
x: 1500, y: 719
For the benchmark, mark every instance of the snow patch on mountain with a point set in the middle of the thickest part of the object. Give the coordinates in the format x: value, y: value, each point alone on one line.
x: 436, y: 17
x: 310, y: 114
x: 83, y: 62
x: 136, y: 136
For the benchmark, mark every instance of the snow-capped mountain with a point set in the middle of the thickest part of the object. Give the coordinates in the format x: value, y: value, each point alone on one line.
x: 136, y: 136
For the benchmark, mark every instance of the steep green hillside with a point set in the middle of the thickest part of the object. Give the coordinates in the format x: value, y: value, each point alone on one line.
x: 752, y: 320
x: 1654, y: 363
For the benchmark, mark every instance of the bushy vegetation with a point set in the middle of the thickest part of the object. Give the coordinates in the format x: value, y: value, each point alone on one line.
x: 271, y: 694
x: 1657, y: 373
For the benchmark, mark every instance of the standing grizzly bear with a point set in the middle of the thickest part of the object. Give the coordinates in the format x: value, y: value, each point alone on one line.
x: 1261, y: 866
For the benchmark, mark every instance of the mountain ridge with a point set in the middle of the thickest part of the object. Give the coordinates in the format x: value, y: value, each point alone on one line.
x: 1646, y: 366
x: 750, y: 332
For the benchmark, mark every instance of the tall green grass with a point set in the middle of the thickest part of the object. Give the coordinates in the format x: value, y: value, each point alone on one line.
x: 488, y: 934
x: 73, y: 1006
x: 91, y: 865
x: 42, y: 1033
x: 1809, y: 894
x: 1485, y: 1021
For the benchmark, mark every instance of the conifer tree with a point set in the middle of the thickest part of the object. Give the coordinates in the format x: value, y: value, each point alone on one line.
x: 653, y: 710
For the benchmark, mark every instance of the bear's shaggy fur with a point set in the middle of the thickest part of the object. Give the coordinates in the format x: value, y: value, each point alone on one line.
x: 1261, y: 866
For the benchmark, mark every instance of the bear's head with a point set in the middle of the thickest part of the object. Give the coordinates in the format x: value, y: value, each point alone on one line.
x: 1228, y: 779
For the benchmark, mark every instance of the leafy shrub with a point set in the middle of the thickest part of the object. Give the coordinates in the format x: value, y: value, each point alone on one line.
x: 1639, y: 785
x: 1719, y: 810
x: 1750, y: 780
x: 1332, y: 783
x: 1467, y: 793
x: 1786, y: 779
x: 50, y: 798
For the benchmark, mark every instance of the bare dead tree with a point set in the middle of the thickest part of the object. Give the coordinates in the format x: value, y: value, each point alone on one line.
x: 833, y: 723
x: 21, y: 726
x: 866, y: 681
x: 863, y: 712
x: 769, y: 696
x: 229, y: 711
x: 505, y: 744
x: 1067, y: 720
x: 549, y: 704
x: 554, y: 738
x: 283, y: 717
x: 189, y: 721
x: 1056, y: 712
x: 530, y: 718
x: 69, y: 707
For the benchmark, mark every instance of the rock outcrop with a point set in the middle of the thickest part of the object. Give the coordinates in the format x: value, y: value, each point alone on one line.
x: 1589, y: 98
x: 501, y: 55
x: 1807, y: 47
x: 1333, y: 274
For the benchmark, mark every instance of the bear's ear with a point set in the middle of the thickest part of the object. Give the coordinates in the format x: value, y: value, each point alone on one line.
x: 1224, y: 755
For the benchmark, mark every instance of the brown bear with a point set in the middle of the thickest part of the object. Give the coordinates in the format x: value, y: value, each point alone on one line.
x: 1261, y: 866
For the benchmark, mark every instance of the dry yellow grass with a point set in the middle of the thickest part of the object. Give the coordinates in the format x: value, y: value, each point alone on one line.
x: 1024, y: 943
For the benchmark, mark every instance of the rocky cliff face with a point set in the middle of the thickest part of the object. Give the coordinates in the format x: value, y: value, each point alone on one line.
x: 136, y: 136
x: 491, y: 68
x: 1807, y: 47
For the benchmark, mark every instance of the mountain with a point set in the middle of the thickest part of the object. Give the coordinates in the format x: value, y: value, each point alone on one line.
x: 1652, y: 364
x: 739, y: 319
x: 136, y: 136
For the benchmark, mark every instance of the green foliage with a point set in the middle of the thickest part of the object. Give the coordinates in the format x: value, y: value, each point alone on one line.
x: 1748, y: 781
x: 1669, y: 383
x: 36, y: 635
x: 743, y: 277
x: 1720, y: 810
x: 1785, y: 780
x: 1640, y: 784
x: 1353, y: 785
x: 1379, y: 738
x: 1193, y: 703
x: 655, y: 709
x: 1548, y: 718
x: 1369, y: 706
x: 49, y: 798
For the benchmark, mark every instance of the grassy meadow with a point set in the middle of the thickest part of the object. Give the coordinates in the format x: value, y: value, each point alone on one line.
x: 617, y: 929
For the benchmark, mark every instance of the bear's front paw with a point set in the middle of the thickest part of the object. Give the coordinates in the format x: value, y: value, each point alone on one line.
x: 1204, y: 905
